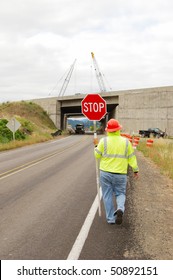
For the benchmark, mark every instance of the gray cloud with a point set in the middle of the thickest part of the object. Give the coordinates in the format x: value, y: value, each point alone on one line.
x: 132, y: 41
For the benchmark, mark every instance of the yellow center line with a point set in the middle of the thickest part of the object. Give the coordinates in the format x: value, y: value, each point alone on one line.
x: 37, y: 161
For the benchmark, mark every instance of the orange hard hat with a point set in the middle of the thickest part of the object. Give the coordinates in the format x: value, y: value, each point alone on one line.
x: 113, y: 125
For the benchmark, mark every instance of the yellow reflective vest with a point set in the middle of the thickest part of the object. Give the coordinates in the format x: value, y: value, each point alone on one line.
x: 116, y: 153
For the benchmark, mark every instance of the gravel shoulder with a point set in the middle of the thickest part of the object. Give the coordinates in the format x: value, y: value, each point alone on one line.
x: 152, y: 206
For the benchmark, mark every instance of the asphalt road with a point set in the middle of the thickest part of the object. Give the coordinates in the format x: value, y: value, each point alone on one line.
x: 46, y: 192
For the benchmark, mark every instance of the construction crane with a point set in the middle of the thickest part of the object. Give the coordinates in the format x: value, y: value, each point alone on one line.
x: 67, y: 80
x: 98, y: 74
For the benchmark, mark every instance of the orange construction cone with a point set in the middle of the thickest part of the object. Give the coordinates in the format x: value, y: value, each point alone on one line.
x: 150, y: 142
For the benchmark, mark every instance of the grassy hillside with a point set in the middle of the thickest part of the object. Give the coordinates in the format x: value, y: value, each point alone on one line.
x: 36, y: 126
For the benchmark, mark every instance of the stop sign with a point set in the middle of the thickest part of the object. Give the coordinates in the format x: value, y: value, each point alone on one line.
x: 94, y: 107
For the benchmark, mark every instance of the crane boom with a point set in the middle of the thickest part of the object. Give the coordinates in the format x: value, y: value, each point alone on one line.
x: 67, y: 80
x: 98, y: 74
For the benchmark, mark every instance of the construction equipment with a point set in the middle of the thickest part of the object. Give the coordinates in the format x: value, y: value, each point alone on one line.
x: 99, y: 75
x: 67, y: 80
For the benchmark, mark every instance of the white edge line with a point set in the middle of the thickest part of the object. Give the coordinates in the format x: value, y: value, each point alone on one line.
x: 83, y: 234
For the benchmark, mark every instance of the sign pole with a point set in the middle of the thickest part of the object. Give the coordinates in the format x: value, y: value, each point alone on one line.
x: 94, y: 108
x: 13, y: 121
x: 97, y: 176
x: 13, y: 125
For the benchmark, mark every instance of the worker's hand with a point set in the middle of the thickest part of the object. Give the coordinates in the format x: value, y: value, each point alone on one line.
x: 95, y: 141
x: 136, y: 175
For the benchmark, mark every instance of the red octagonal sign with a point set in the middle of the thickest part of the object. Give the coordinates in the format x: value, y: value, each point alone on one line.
x: 94, y: 107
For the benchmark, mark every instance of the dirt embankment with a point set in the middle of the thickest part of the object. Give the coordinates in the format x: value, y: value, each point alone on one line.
x: 153, y: 210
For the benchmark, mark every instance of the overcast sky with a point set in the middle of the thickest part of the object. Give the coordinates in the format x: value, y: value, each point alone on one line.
x: 40, y: 39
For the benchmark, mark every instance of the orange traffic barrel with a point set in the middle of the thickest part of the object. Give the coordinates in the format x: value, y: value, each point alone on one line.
x: 150, y: 142
x: 126, y: 135
x: 130, y: 139
x: 135, y: 143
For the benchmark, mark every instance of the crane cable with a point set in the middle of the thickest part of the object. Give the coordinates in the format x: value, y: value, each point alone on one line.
x: 67, y: 80
x: 57, y: 83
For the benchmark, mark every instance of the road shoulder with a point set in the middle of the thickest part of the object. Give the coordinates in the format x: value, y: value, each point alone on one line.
x: 146, y: 232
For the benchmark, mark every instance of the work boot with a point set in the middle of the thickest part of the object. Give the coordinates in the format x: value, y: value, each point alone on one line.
x: 119, y: 217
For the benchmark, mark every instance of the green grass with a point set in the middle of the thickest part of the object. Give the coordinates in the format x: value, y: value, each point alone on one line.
x: 35, y: 124
x: 161, y: 152
x: 28, y: 141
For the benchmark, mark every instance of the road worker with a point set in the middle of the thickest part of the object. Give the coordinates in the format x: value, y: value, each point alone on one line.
x: 116, y: 154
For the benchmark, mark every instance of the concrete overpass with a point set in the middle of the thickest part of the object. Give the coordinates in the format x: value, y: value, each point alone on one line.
x: 135, y: 109
x: 59, y: 109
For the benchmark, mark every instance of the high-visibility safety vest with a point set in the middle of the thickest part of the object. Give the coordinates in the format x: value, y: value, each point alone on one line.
x: 116, y: 153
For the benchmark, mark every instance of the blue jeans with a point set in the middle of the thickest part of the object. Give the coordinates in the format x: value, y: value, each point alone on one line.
x: 113, y: 184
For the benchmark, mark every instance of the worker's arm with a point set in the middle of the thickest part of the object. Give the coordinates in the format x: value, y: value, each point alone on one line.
x: 99, y: 149
x: 132, y: 161
x: 95, y: 141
